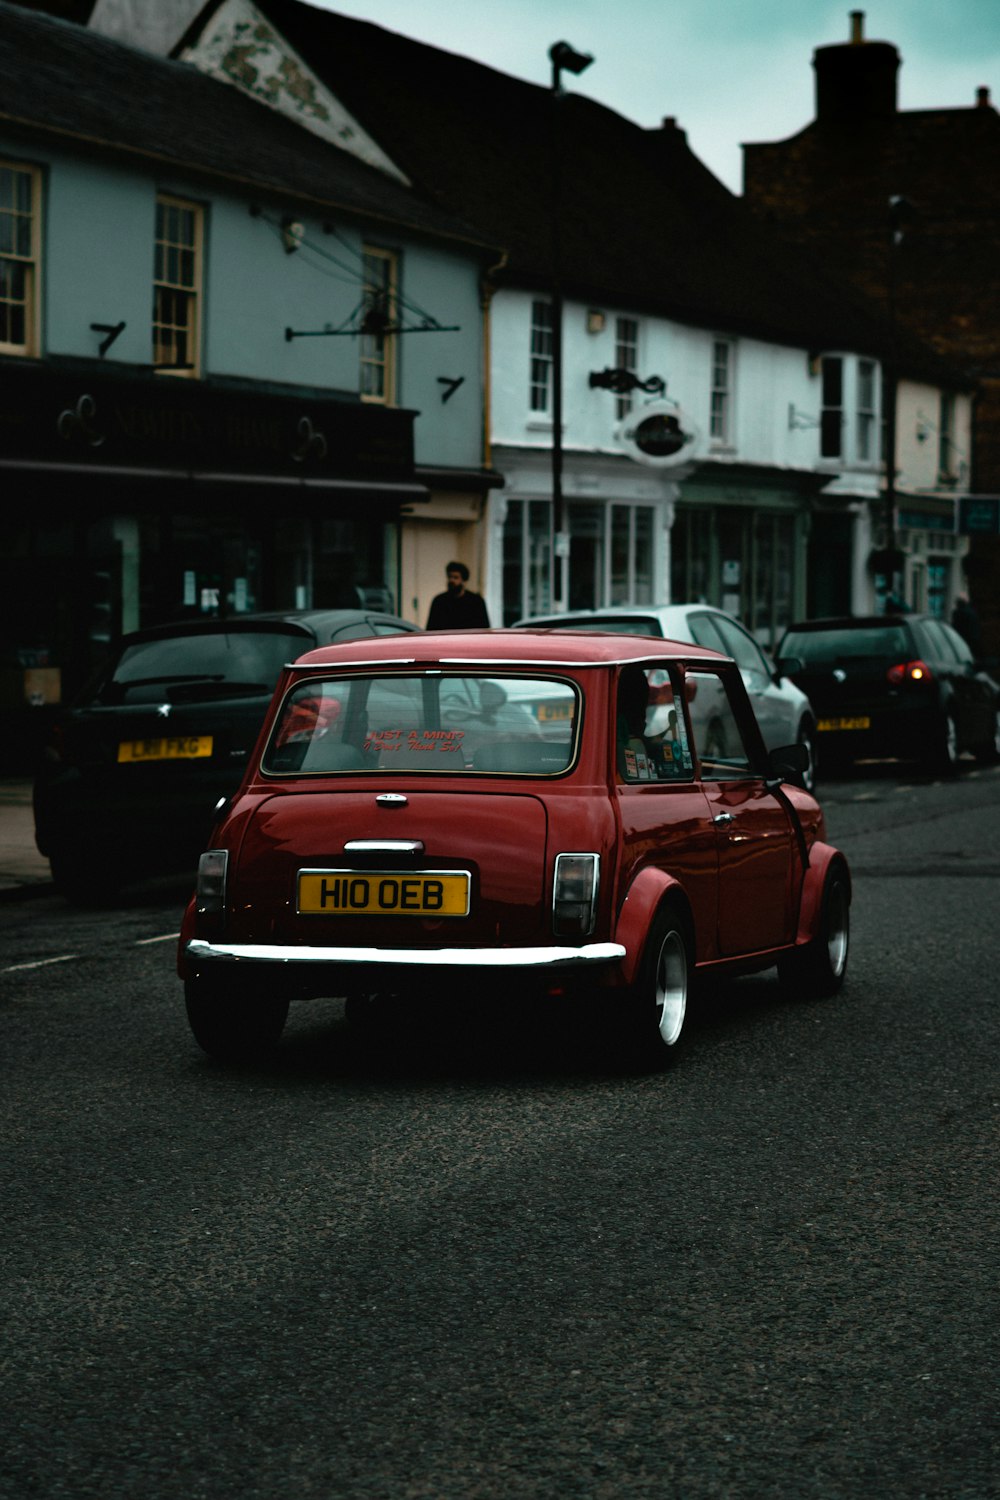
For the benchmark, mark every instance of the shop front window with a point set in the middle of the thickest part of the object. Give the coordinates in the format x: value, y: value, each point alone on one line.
x: 631, y: 555
x: 527, y: 551
x: 612, y: 556
x: 742, y: 561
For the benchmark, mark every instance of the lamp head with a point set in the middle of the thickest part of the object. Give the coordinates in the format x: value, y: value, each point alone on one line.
x: 565, y: 58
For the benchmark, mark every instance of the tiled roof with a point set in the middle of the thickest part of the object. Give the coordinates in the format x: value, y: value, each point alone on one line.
x: 644, y: 225
x: 85, y: 89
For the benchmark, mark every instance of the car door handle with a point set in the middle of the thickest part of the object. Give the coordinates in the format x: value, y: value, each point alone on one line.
x: 722, y: 820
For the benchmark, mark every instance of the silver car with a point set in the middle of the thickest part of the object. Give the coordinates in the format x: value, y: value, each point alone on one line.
x: 783, y: 711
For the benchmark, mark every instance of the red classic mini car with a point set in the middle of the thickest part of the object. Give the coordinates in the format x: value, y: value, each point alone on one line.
x: 509, y: 813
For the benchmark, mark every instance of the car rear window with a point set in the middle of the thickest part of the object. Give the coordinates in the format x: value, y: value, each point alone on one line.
x: 844, y: 644
x: 199, y: 666
x: 442, y: 723
x: 617, y: 624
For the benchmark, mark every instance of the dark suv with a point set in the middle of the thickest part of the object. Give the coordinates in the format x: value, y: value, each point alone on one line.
x: 893, y: 685
x: 136, y: 766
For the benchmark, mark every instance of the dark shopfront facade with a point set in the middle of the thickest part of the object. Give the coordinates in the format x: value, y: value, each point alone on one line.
x: 130, y: 501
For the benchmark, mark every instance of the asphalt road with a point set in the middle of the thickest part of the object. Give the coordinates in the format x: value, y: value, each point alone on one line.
x: 445, y: 1264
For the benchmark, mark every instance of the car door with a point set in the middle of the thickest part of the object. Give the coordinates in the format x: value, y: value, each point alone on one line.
x: 950, y: 659
x: 753, y: 829
x: 662, y: 812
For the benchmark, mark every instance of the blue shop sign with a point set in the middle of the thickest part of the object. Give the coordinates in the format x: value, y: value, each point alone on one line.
x: 979, y: 516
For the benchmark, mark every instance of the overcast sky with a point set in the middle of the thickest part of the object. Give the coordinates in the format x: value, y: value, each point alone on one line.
x: 728, y: 70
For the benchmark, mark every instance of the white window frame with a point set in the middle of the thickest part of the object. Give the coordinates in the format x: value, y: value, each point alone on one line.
x: 866, y: 431
x: 626, y: 358
x: 850, y: 411
x: 832, y: 408
x: 720, y: 419
x: 23, y: 260
x: 378, y: 352
x: 541, y: 359
x: 178, y: 274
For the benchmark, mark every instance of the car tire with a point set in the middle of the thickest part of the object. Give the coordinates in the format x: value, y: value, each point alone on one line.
x: 807, y: 738
x: 988, y: 753
x: 232, y: 1021
x: 657, y: 1003
x: 944, y: 756
x: 818, y: 969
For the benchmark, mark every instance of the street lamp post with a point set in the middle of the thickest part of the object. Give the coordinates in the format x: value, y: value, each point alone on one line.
x: 900, y: 215
x: 564, y: 58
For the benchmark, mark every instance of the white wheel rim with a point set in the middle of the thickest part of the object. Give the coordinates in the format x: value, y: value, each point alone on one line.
x: 951, y: 740
x: 838, y: 928
x: 671, y: 988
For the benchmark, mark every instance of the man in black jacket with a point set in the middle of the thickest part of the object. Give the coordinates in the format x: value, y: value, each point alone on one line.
x: 457, y: 608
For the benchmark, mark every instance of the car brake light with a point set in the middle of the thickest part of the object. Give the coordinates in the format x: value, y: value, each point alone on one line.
x: 910, y: 671
x: 211, y: 886
x: 574, y: 894
x: 56, y: 747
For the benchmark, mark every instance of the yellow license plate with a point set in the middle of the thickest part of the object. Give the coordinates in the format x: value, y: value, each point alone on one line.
x: 170, y: 747
x: 549, y: 711
x: 863, y: 722
x: 353, y: 893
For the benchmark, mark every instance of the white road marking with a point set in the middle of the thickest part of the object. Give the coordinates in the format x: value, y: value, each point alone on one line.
x: 65, y: 958
x: 40, y: 963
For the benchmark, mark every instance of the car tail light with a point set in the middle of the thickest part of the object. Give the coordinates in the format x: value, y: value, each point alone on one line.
x: 211, y: 887
x: 910, y: 671
x: 574, y: 894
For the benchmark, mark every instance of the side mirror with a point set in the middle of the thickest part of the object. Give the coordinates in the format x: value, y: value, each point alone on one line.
x: 787, y: 666
x: 788, y: 763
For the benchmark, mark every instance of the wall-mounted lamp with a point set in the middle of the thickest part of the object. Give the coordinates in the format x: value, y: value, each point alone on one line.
x: 293, y: 232
x: 623, y: 382
x: 595, y: 320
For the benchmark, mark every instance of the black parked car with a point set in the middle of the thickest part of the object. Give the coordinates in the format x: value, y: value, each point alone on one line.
x: 893, y: 685
x: 128, y: 786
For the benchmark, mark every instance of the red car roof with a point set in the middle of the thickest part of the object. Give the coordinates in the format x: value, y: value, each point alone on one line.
x: 548, y: 648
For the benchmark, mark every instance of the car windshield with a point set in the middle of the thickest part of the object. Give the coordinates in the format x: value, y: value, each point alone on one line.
x: 842, y: 643
x: 438, y: 722
x: 618, y: 624
x: 209, y: 665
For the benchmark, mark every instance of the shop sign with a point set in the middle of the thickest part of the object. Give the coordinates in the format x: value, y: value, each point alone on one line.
x: 979, y: 515
x: 159, y: 421
x: 658, y: 434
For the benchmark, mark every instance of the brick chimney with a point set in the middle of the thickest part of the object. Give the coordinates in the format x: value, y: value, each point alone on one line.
x: 856, y: 80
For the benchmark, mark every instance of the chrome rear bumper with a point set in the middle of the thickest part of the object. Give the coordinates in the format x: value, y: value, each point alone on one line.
x: 199, y: 953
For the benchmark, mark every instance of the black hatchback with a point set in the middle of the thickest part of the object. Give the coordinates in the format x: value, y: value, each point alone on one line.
x: 905, y: 686
x: 128, y: 786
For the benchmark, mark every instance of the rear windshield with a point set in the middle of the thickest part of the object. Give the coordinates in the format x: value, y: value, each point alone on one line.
x: 184, y: 668
x: 617, y: 624
x: 443, y: 723
x: 839, y: 645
